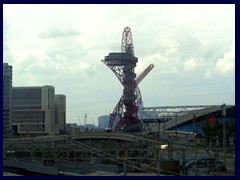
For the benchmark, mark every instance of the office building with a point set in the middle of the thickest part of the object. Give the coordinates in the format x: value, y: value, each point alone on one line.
x: 60, y: 113
x: 7, y: 99
x: 103, y: 121
x: 33, y: 110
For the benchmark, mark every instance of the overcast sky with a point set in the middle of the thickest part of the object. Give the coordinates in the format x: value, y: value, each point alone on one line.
x: 191, y: 46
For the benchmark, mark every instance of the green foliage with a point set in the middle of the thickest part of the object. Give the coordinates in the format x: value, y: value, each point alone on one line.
x: 212, y: 131
x: 217, y: 129
x: 230, y: 129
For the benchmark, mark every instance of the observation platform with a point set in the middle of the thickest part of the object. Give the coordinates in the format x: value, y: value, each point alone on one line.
x: 120, y: 59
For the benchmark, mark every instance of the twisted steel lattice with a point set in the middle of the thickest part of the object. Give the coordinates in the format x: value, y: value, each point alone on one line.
x: 127, y: 106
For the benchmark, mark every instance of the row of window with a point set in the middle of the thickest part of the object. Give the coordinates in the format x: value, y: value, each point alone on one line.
x: 26, y: 107
x: 28, y: 120
x: 28, y: 112
x: 26, y: 102
x: 28, y: 116
x: 32, y: 128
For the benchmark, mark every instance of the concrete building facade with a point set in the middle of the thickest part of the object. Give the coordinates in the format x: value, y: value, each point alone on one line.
x: 103, y: 121
x: 60, y: 113
x: 7, y: 99
x: 33, y: 110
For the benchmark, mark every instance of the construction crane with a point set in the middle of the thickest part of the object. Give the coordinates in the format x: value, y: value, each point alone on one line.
x: 123, y: 64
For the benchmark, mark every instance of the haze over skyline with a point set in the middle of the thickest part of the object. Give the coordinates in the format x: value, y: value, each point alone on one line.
x: 191, y: 46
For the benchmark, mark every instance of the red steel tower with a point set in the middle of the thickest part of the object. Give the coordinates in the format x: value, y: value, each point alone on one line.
x: 123, y: 64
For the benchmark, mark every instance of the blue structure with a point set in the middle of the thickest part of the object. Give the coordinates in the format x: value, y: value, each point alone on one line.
x: 190, y: 126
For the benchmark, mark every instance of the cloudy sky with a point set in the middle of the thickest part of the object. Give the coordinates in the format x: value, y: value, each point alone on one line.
x: 191, y: 46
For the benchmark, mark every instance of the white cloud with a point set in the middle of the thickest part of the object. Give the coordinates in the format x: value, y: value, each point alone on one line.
x: 78, y: 67
x: 59, y: 29
x: 224, y: 66
x: 62, y: 45
x: 190, y: 64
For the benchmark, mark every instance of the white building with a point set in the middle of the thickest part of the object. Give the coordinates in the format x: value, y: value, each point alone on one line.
x: 34, y: 110
x: 103, y: 121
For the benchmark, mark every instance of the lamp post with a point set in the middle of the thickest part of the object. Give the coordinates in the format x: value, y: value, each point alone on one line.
x: 85, y: 120
x: 223, y: 108
x: 176, y: 128
x: 79, y: 120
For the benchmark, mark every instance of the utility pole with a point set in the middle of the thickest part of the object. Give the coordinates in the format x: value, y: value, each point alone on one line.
x: 79, y: 123
x: 194, y: 122
x: 158, y: 123
x: 158, y: 135
x: 73, y: 128
x: 195, y: 168
x: 176, y: 123
x: 183, y: 162
x: 125, y: 162
x: 79, y: 120
x: 158, y: 161
x: 223, y: 108
x: 164, y: 128
x: 85, y: 120
x: 194, y: 127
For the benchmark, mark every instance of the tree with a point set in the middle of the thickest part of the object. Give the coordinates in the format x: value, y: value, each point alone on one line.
x: 212, y: 132
x: 230, y: 129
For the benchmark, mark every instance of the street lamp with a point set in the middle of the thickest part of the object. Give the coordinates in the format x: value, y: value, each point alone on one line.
x: 85, y: 120
x: 79, y: 120
x: 223, y: 109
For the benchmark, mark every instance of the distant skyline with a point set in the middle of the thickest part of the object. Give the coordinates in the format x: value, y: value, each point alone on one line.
x: 191, y: 46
